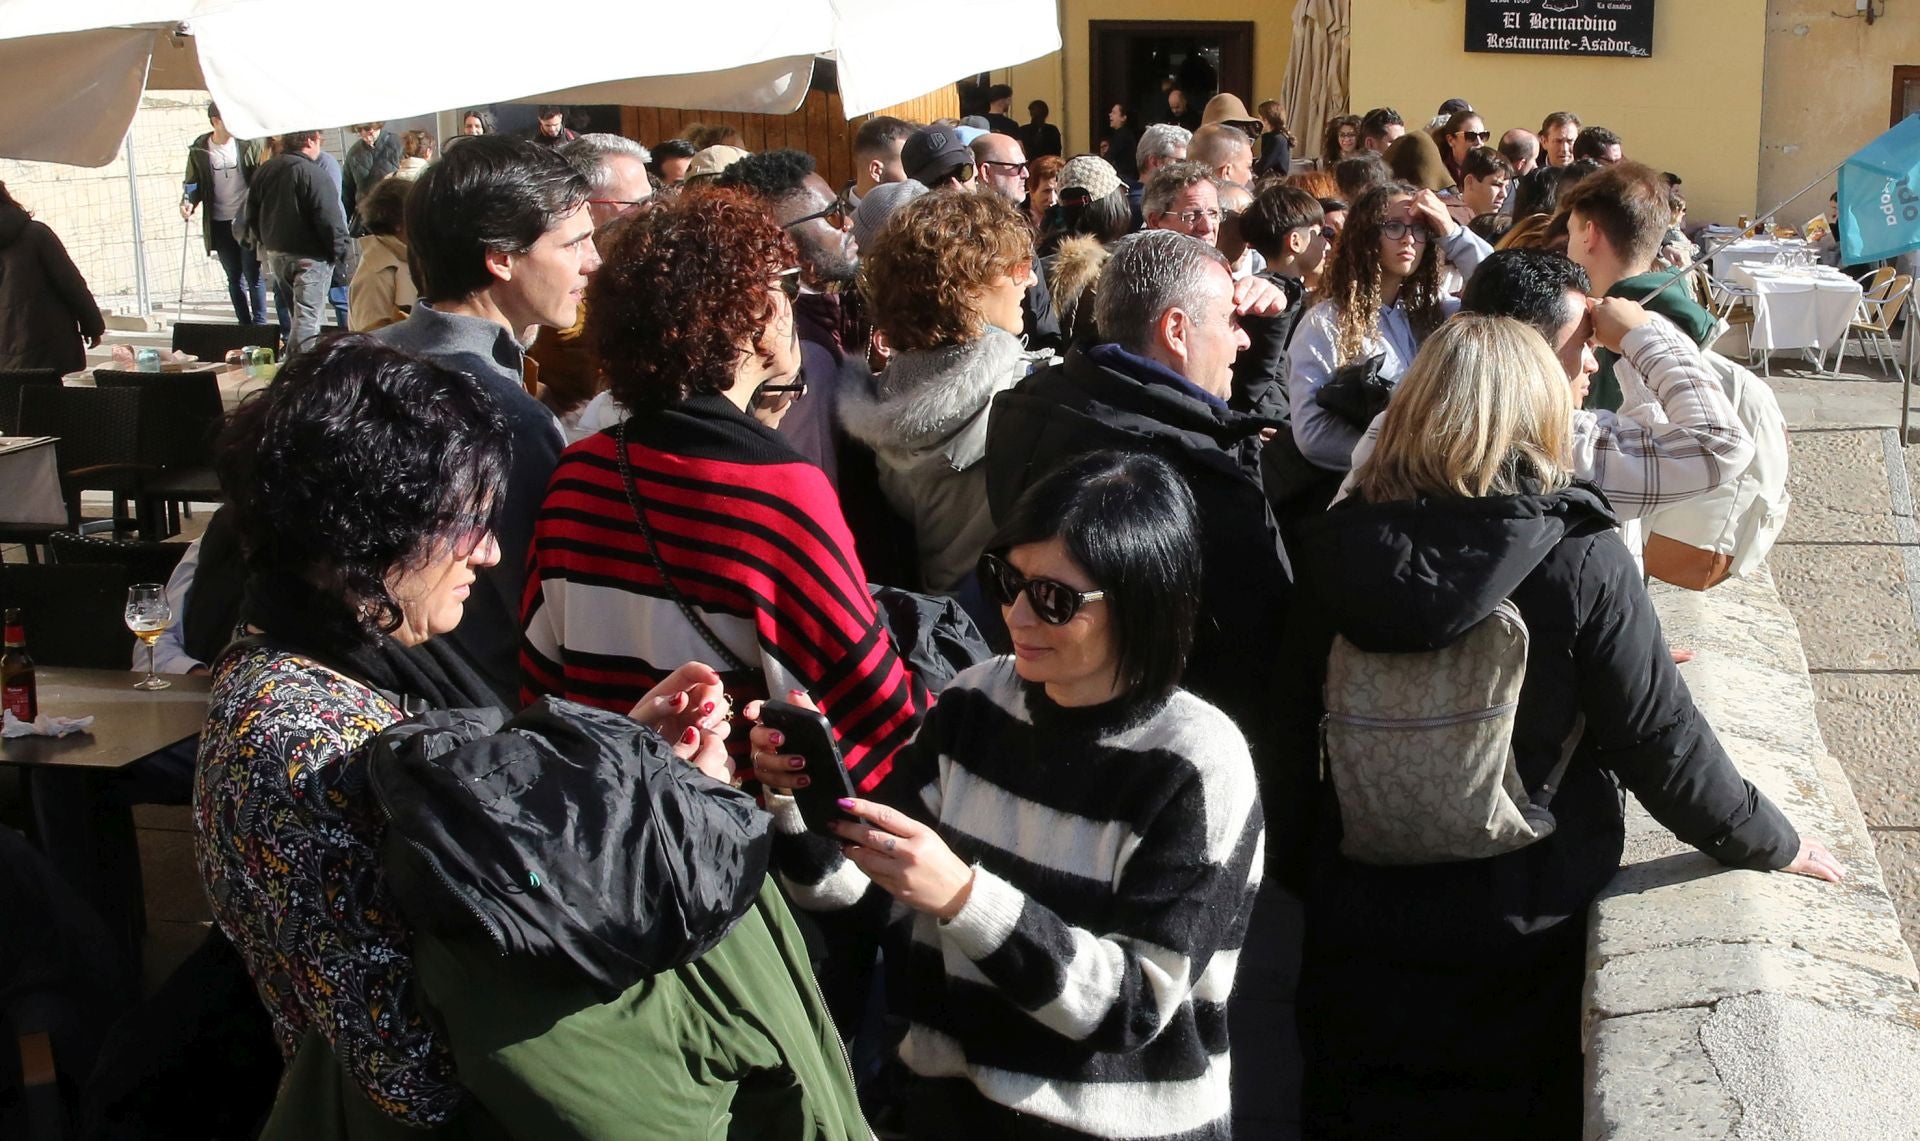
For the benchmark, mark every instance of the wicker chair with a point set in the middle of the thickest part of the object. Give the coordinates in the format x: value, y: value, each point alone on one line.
x: 142, y: 560
x: 11, y: 382
x: 99, y: 445
x: 181, y: 415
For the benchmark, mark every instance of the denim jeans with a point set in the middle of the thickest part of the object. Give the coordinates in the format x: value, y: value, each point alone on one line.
x: 300, y: 288
x: 245, y: 287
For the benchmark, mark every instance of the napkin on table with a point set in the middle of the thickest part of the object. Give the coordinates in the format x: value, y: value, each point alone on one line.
x: 45, y: 725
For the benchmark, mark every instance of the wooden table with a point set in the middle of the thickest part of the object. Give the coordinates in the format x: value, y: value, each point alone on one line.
x: 82, y: 820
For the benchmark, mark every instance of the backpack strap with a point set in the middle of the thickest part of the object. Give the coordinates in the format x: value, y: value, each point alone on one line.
x: 1544, y: 796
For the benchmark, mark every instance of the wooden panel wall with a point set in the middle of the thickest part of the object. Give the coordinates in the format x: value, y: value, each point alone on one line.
x: 818, y: 127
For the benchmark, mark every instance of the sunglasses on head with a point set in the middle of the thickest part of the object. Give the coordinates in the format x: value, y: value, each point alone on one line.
x: 1053, y: 602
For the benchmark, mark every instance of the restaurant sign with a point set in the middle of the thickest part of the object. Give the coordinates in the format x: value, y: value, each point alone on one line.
x: 1561, y: 27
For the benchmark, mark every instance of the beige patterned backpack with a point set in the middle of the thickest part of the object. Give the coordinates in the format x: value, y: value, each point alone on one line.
x: 1419, y: 747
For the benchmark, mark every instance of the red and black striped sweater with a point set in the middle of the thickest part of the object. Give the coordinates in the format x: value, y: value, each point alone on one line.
x: 753, y: 539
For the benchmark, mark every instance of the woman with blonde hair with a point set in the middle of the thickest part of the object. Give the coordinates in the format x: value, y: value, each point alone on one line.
x: 1467, y: 506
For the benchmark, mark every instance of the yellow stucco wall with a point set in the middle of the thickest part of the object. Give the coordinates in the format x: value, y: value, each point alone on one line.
x: 1693, y: 108
x: 1062, y: 78
x: 1829, y: 91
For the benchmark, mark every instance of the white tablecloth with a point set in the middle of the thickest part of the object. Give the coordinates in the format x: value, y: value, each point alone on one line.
x: 1799, y: 308
x: 1753, y: 250
x: 31, y: 478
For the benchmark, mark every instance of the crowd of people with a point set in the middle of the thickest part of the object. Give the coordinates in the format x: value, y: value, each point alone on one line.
x: 628, y: 441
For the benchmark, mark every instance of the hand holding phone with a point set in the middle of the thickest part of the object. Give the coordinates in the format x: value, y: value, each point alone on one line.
x: 805, y: 733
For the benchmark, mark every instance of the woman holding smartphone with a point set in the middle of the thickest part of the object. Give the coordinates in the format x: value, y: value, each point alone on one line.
x: 1067, y: 863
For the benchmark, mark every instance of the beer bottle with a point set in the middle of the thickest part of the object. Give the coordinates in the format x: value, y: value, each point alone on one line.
x: 16, y: 672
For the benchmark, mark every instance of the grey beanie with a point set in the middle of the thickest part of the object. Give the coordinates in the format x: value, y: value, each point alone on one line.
x: 879, y: 205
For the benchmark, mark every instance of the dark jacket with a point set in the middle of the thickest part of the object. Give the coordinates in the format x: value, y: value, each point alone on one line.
x: 1676, y: 304
x: 45, y: 306
x: 1260, y: 371
x: 1122, y: 142
x: 293, y: 208
x: 1276, y: 154
x: 365, y: 166
x: 1081, y: 406
x: 596, y: 930
x: 1040, y: 140
x: 488, y: 637
x: 200, y: 176
x: 1410, y: 576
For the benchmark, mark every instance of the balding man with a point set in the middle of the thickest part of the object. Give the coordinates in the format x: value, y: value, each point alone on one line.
x: 1225, y: 151
x: 1002, y: 165
x: 1520, y: 147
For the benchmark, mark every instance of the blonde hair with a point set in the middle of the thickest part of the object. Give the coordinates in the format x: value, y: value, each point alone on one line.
x: 1484, y: 409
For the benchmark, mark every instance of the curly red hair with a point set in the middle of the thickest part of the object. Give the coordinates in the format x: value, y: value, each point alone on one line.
x: 935, y: 256
x: 681, y: 293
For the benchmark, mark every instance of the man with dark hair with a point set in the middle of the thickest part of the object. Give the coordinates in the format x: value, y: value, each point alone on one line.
x: 502, y: 244
x: 1039, y: 137
x: 552, y: 129
x: 1287, y: 227
x: 999, y: 100
x: 1598, y: 144
x: 219, y: 170
x: 876, y: 153
x: 1521, y: 149
x: 1485, y: 176
x: 1557, y: 132
x: 1617, y: 219
x: 1679, y: 438
x: 1380, y: 127
x: 670, y: 162
x: 301, y: 229
x: 374, y: 156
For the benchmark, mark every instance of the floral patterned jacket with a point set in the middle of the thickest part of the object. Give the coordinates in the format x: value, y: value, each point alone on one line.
x: 287, y: 835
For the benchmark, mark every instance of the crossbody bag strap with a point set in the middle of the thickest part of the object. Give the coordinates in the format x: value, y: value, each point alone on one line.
x: 727, y: 657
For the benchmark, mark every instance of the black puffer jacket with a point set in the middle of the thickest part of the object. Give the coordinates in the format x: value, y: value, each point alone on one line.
x: 1408, y: 576
x: 1082, y: 406
x: 569, y: 835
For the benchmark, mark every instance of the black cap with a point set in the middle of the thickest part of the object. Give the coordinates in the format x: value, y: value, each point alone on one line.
x: 932, y: 151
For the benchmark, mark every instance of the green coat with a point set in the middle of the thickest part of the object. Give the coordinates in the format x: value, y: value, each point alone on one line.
x: 1677, y: 305
x: 200, y: 176
x: 735, y: 1045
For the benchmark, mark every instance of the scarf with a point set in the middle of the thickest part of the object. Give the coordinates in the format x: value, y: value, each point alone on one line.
x: 298, y: 618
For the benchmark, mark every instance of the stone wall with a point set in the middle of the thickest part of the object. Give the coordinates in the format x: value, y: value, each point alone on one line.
x: 1725, y: 1003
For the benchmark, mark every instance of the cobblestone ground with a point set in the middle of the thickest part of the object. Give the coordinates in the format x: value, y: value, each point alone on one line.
x: 1848, y: 566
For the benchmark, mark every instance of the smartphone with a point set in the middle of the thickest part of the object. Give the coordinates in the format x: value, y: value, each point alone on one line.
x: 808, y: 735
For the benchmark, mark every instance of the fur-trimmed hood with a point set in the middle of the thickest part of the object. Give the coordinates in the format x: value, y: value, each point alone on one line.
x: 930, y: 401
x: 1075, y: 267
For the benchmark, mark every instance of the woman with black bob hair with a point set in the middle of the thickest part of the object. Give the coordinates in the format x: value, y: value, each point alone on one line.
x: 1067, y: 858
x: 365, y: 484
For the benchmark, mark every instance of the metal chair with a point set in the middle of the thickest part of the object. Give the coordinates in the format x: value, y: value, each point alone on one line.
x: 181, y: 415
x: 99, y: 445
x: 12, y: 380
x: 212, y: 341
x: 1875, y: 284
x: 1875, y: 326
x: 75, y: 615
x: 143, y: 560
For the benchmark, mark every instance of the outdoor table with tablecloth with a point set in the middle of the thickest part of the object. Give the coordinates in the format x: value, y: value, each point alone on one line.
x: 30, y: 473
x: 1798, y: 307
x: 1755, y: 250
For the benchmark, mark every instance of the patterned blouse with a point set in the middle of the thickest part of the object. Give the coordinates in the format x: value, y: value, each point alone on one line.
x: 288, y: 834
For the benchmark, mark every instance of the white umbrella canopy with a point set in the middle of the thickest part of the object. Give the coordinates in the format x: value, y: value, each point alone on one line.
x: 74, y: 72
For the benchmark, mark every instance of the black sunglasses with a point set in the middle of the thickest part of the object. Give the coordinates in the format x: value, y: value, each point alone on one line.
x: 1053, y: 602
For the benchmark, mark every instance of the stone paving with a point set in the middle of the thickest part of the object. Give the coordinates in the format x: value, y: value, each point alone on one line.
x: 1848, y: 567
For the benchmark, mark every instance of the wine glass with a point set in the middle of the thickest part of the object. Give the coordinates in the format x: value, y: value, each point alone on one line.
x: 148, y: 616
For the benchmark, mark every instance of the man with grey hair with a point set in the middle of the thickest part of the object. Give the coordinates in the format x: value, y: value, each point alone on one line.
x: 1160, y: 383
x: 616, y: 169
x: 1184, y: 198
x: 1162, y: 143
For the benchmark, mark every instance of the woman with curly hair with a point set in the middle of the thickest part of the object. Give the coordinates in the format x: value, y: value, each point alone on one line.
x: 943, y: 283
x: 1339, y: 139
x: 1379, y: 297
x: 692, y: 528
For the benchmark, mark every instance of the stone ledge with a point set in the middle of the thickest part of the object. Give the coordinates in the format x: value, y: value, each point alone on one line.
x: 1725, y: 1003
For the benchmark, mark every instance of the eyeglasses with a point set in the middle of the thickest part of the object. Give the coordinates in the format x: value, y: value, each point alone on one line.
x: 789, y: 282
x: 1053, y: 602
x: 837, y: 212
x: 1477, y: 136
x: 1192, y: 217
x: 1009, y: 167
x: 1395, y: 230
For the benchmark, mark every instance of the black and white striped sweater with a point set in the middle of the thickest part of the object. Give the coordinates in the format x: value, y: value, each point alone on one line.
x: 1117, y: 850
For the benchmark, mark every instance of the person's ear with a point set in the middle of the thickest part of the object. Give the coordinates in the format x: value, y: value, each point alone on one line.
x: 1297, y: 242
x: 1175, y: 329
x: 876, y: 170
x: 499, y: 264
